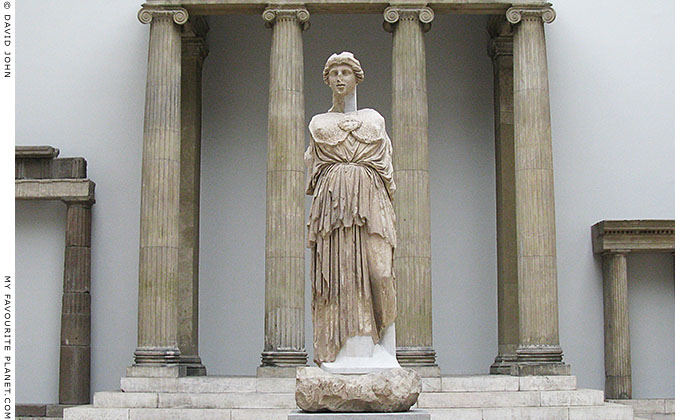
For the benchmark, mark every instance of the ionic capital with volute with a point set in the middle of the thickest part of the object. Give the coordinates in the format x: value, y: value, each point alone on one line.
x: 194, y: 46
x: 272, y: 14
x: 178, y: 15
x: 545, y: 13
x: 394, y: 13
x: 501, y: 33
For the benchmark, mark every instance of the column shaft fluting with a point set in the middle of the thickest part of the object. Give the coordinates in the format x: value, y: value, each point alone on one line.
x: 535, y: 215
x: 616, y: 327
x: 194, y: 51
x: 157, y: 341
x: 501, y: 53
x: 412, y: 204
x: 285, y: 221
x: 75, y: 334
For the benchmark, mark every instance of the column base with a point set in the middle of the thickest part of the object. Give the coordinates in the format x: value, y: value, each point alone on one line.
x: 539, y: 361
x: 157, y: 362
x: 618, y: 387
x: 194, y: 365
x: 284, y: 358
x: 156, y: 356
x: 412, y: 357
x: 503, y: 364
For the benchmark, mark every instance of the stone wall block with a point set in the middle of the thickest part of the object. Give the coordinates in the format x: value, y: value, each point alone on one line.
x: 68, y: 168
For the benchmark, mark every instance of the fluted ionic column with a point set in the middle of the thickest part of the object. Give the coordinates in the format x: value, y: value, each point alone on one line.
x: 411, y: 164
x: 539, y: 351
x: 194, y: 50
x: 157, y: 339
x: 75, y: 334
x: 285, y: 224
x: 501, y: 53
x: 616, y: 327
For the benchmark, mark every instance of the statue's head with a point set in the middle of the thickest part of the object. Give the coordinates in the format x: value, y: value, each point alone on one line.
x: 342, y: 73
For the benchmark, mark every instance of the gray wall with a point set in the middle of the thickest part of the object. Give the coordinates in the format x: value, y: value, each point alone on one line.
x: 81, y: 88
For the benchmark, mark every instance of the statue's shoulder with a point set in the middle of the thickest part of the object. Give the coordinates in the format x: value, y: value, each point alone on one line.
x: 371, y: 115
x: 324, y: 128
x: 323, y: 120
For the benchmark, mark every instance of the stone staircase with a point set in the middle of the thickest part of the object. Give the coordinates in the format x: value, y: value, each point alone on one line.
x: 485, y: 397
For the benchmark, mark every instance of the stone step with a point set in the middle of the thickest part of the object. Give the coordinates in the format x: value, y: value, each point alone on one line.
x: 220, y: 384
x: 603, y: 412
x: 94, y: 413
x: 38, y: 418
x: 580, y: 397
x: 498, y: 383
x: 194, y: 400
x: 213, y: 384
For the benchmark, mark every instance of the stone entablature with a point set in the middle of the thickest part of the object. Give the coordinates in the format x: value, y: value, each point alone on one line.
x: 211, y: 7
x: 634, y: 236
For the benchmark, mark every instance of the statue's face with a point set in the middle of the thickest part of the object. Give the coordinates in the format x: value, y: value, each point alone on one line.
x: 342, y: 79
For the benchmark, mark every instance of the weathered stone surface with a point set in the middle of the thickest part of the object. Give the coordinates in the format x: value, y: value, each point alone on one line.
x: 81, y: 190
x: 156, y: 371
x: 124, y: 400
x: 569, y: 398
x: 91, y: 413
x: 410, y: 415
x: 57, y: 410
x: 544, y: 369
x: 478, y: 399
x: 531, y: 413
x: 30, y: 410
x: 480, y: 383
x: 393, y: 390
x: 548, y: 383
x: 606, y: 411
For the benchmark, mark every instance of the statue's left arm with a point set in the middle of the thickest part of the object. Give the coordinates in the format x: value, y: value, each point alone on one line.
x: 387, y: 174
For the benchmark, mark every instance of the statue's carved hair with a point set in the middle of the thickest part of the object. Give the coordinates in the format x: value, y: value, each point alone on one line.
x: 346, y: 58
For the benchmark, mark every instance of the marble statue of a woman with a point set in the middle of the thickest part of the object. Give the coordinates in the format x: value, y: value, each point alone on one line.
x: 351, y: 229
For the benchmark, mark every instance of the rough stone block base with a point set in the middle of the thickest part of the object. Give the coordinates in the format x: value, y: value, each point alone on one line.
x: 410, y: 415
x: 541, y: 369
x: 391, y: 390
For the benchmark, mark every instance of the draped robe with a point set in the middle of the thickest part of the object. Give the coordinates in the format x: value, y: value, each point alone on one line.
x: 350, y: 175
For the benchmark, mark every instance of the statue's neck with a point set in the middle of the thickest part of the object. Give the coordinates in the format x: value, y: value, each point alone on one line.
x: 345, y: 103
